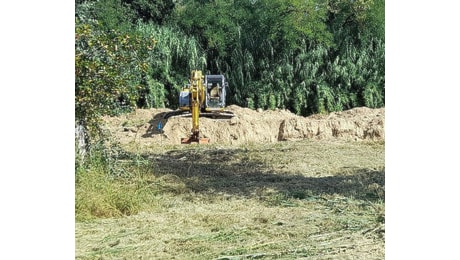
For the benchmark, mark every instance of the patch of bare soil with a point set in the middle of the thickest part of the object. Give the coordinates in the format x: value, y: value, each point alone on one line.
x: 148, y: 126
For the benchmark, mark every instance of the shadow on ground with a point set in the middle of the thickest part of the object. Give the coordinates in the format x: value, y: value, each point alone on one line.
x: 158, y: 122
x: 231, y: 171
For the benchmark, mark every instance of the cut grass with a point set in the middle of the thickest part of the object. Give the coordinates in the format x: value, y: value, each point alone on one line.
x: 307, y: 199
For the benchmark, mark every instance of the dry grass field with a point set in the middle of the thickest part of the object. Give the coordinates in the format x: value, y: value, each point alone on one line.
x: 304, y: 199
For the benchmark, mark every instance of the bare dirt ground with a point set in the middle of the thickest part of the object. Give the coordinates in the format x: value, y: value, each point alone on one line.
x: 250, y: 126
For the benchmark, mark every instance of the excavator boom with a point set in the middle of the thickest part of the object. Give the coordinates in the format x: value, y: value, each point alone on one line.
x: 197, y: 95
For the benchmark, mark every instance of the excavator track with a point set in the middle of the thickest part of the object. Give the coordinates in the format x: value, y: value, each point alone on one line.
x: 189, y: 140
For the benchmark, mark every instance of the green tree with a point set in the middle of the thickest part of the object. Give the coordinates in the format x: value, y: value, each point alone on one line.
x: 375, y: 20
x: 356, y: 21
x: 114, y: 15
x: 108, y: 69
x: 151, y: 11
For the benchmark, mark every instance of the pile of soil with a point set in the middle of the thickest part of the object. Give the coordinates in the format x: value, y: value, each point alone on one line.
x: 148, y: 126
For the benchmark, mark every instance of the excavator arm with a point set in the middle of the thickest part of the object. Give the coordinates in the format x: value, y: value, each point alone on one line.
x: 197, y: 98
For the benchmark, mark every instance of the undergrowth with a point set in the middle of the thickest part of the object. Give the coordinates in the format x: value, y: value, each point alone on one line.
x: 112, y: 183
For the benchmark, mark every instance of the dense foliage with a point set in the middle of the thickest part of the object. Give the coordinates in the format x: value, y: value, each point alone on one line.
x: 309, y: 56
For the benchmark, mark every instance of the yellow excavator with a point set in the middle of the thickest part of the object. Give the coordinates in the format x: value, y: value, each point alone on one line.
x: 204, y: 95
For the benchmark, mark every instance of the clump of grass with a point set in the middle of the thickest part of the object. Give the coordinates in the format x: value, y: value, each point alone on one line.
x: 98, y: 196
x: 111, y: 187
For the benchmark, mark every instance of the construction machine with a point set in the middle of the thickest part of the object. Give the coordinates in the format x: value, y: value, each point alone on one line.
x: 203, y: 96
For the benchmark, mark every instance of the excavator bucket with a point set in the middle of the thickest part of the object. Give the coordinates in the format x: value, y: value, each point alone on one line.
x: 190, y: 140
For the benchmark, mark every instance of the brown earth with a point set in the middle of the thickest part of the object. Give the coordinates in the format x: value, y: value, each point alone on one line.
x: 250, y: 126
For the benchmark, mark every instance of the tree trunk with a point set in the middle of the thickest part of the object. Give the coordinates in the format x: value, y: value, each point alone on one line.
x: 81, y: 142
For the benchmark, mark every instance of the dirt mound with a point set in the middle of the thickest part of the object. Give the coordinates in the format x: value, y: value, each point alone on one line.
x: 357, y: 123
x: 148, y: 126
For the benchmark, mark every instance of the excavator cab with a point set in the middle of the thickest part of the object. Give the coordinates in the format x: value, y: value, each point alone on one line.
x: 215, y: 92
